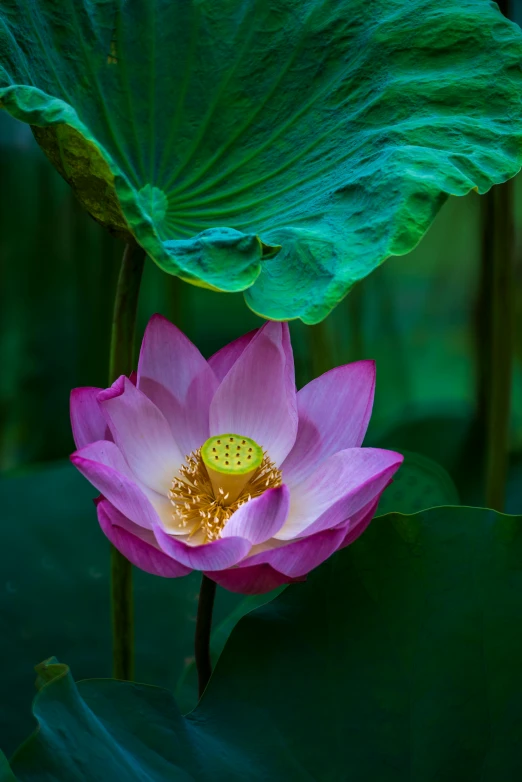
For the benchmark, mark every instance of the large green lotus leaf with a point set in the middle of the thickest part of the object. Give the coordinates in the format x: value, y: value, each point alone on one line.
x: 282, y: 147
x: 398, y: 659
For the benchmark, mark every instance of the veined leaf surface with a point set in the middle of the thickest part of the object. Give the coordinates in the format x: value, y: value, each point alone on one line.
x: 283, y: 148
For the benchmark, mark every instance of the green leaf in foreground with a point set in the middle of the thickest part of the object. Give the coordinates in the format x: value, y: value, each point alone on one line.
x: 54, y: 596
x: 398, y: 659
x: 419, y: 484
x: 187, y: 686
x: 6, y: 775
x: 283, y: 148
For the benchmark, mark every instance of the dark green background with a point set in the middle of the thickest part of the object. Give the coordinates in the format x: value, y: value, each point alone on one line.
x: 417, y: 315
x: 397, y: 660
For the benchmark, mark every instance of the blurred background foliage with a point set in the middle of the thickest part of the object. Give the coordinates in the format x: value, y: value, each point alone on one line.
x: 417, y: 315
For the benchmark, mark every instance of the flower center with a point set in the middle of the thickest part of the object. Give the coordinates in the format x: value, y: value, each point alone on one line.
x: 227, y: 471
x: 231, y: 461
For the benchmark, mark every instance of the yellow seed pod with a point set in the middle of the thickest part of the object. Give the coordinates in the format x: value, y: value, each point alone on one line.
x: 231, y: 460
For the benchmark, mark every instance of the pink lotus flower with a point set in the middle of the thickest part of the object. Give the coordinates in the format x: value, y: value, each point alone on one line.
x: 221, y: 466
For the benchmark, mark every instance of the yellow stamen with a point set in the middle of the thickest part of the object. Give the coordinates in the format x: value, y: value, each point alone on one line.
x: 215, y: 494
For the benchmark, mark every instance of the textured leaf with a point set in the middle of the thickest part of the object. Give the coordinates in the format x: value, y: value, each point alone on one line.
x: 398, y: 659
x: 282, y: 147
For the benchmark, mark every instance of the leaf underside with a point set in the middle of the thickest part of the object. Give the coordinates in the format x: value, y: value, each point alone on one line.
x: 334, y: 130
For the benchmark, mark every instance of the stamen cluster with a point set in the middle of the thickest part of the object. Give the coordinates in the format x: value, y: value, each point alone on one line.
x: 196, y: 505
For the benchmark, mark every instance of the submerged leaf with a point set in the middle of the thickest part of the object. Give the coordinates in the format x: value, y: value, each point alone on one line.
x: 218, y: 133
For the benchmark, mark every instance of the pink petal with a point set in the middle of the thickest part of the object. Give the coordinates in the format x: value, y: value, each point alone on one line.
x: 250, y: 580
x: 222, y: 361
x: 356, y: 527
x: 87, y: 420
x: 260, y: 518
x: 217, y: 555
x: 103, y: 465
x: 257, y: 397
x: 300, y: 557
x: 363, y: 515
x: 175, y: 376
x: 334, y: 412
x: 138, y: 546
x: 142, y: 434
x: 342, y: 485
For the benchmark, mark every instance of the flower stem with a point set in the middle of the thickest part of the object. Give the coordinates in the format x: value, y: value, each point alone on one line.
x: 207, y: 594
x: 499, y: 260
x: 121, y: 363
